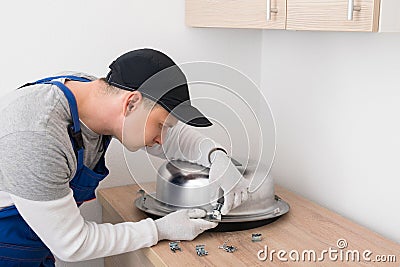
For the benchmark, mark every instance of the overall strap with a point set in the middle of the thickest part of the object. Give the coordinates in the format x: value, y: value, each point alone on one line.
x: 74, y: 129
x: 48, y: 79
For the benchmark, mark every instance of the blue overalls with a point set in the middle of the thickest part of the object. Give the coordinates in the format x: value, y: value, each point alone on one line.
x: 19, y: 245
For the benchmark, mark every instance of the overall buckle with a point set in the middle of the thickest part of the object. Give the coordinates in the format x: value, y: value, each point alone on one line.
x: 76, y: 137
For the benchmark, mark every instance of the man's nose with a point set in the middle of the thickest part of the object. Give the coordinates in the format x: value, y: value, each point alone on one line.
x: 158, y: 140
x: 161, y: 137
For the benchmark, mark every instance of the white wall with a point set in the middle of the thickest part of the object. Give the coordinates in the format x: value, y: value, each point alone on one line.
x: 43, y: 37
x: 335, y: 98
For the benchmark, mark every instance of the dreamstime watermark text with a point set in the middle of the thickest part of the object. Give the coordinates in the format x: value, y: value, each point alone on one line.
x: 335, y: 254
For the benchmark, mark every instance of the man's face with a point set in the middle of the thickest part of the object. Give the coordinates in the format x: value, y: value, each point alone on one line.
x: 145, y: 126
x: 157, y: 125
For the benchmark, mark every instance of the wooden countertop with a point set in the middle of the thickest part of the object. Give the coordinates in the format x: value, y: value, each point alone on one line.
x: 307, y: 226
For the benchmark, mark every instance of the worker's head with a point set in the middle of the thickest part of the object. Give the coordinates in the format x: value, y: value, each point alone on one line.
x: 157, y: 97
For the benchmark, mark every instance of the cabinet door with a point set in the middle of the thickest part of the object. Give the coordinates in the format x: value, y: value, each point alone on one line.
x: 333, y: 15
x: 236, y: 13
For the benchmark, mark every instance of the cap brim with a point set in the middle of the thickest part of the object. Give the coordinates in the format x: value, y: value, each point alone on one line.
x: 191, y: 116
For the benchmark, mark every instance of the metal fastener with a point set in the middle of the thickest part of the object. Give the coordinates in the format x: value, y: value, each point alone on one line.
x: 256, y: 237
x: 227, y: 248
x: 174, y: 246
x: 201, y: 251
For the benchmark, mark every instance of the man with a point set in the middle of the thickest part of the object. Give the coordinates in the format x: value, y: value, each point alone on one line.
x: 54, y: 135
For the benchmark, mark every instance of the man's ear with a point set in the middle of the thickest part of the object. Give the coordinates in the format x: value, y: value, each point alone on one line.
x: 132, y: 102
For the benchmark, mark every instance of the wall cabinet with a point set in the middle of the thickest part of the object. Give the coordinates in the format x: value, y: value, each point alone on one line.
x: 236, y: 13
x: 324, y: 15
x: 332, y: 15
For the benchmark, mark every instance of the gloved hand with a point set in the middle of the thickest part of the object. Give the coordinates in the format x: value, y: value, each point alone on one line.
x: 183, y: 225
x: 227, y: 177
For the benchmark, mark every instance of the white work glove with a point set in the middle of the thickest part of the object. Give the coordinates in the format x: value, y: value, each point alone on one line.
x: 227, y: 177
x: 183, y: 225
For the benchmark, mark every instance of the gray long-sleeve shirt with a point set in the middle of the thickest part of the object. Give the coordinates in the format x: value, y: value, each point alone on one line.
x: 37, y: 160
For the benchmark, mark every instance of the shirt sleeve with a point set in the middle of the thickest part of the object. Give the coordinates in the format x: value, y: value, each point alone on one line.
x: 59, y: 224
x: 182, y: 142
x: 35, y: 166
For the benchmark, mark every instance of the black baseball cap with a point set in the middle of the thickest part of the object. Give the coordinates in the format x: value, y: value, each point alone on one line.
x: 158, y: 78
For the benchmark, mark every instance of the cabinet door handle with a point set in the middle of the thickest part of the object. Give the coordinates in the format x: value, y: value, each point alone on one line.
x: 270, y: 10
x: 351, y: 8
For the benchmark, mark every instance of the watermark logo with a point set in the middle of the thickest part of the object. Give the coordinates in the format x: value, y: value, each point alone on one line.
x: 341, y: 243
x: 339, y: 253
